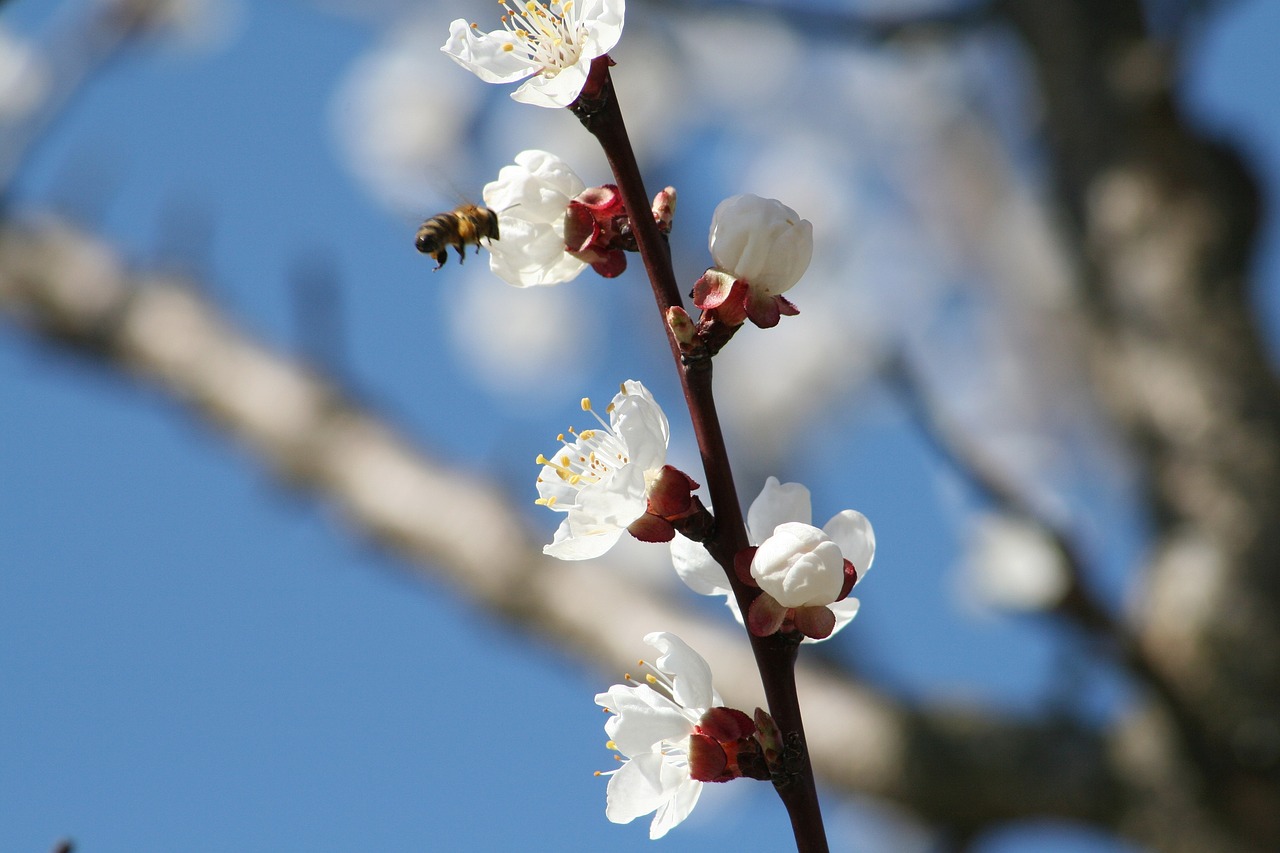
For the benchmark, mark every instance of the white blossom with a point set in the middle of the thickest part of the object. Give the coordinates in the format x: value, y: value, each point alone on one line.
x: 760, y: 241
x: 601, y: 479
x: 551, y: 44
x: 778, y: 504
x: 799, y: 566
x: 530, y: 198
x: 650, y: 728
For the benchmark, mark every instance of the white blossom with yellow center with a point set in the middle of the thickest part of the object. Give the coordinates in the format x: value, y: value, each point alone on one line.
x: 601, y: 479
x: 551, y: 44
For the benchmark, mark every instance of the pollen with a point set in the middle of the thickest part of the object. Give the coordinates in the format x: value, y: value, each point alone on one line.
x: 508, y: 47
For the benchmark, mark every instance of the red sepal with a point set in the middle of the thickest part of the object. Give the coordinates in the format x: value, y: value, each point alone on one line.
x: 726, y: 724
x: 765, y: 615
x: 651, y: 528
x: 707, y: 761
x: 850, y: 578
x: 817, y: 622
x: 742, y: 566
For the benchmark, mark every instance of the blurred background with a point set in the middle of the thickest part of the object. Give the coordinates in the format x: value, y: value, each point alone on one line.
x: 1036, y: 347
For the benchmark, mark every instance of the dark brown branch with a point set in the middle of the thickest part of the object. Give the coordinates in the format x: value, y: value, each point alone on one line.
x: 775, y: 655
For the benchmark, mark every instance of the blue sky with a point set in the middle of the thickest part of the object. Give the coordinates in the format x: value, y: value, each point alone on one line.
x: 193, y: 658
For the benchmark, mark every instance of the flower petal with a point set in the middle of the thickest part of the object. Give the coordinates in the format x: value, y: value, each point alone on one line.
x: 603, y: 20
x: 684, y: 797
x: 777, y: 504
x: 643, y: 718
x: 487, y: 55
x: 690, y: 674
x: 553, y: 90
x: 857, y: 540
x: 638, y: 787
x: 577, y: 544
x: 695, y: 566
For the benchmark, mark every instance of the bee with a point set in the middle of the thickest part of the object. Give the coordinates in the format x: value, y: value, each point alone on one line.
x: 462, y: 227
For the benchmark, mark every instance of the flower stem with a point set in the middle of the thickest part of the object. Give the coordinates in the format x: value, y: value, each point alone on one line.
x: 775, y: 655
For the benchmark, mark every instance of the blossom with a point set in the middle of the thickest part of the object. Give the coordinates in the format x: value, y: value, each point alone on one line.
x: 531, y: 198
x: 799, y: 566
x: 609, y: 479
x: 552, y: 44
x: 778, y: 506
x: 672, y: 733
x: 760, y: 248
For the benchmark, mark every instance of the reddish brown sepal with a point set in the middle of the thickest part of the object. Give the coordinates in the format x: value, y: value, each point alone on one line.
x: 597, y: 231
x: 742, y: 566
x: 707, y: 759
x: 816, y: 622
x: 652, y: 528
x: 850, y: 578
x: 765, y: 615
x: 670, y: 493
x: 765, y: 310
x: 726, y: 724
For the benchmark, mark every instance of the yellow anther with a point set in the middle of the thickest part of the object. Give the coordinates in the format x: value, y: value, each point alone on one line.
x: 651, y: 679
x: 508, y: 47
x: 587, y: 434
x: 610, y: 745
x: 586, y: 404
x: 541, y: 460
x: 560, y: 437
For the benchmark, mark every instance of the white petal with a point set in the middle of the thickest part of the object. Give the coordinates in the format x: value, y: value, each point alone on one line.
x: 695, y: 566
x: 678, y: 805
x: 852, y: 532
x: 531, y: 255
x: 642, y: 785
x: 603, y: 20
x: 691, y: 675
x: 581, y: 546
x: 643, y: 718
x: 486, y: 55
x: 553, y: 90
x: 641, y: 424
x: 777, y: 504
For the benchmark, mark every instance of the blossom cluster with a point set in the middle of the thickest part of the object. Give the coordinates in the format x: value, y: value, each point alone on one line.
x: 670, y: 730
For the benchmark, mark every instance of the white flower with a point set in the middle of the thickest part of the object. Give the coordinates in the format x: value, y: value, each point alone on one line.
x: 777, y: 505
x: 531, y: 198
x: 799, y: 566
x: 651, y: 726
x: 550, y: 43
x: 602, y: 479
x: 761, y: 241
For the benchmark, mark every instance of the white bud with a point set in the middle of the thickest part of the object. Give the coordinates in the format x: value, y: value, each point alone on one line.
x: 761, y: 241
x: 799, y: 566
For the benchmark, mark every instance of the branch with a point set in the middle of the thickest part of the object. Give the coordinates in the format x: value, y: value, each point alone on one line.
x: 1165, y: 220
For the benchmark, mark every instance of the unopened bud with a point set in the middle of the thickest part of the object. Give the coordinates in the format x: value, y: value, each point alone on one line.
x: 664, y: 209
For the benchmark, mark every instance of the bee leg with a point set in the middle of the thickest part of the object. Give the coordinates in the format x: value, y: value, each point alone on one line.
x: 441, y: 256
x: 462, y: 252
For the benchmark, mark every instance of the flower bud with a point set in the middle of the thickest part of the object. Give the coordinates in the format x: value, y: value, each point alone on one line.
x: 799, y: 566
x: 664, y: 209
x: 761, y: 241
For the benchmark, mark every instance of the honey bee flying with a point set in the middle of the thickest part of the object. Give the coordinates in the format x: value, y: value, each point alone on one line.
x: 462, y: 227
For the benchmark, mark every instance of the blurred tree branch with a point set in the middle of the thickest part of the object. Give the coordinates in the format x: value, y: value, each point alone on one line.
x: 962, y: 769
